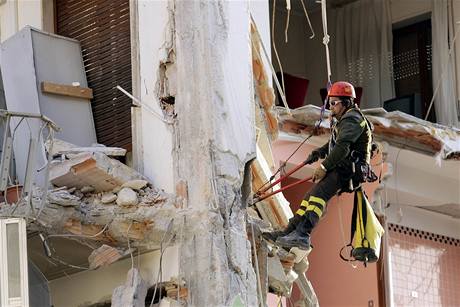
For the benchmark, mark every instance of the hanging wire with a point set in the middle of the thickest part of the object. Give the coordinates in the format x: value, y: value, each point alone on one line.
x: 81, y: 236
x: 288, y: 14
x: 326, y: 39
x: 274, y: 46
x: 308, y: 19
x: 162, y: 251
x: 267, y: 58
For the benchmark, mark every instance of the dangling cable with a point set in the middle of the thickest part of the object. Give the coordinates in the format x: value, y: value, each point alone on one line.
x: 288, y: 14
x: 275, y: 78
x: 274, y: 46
x: 328, y: 60
x: 326, y: 39
x: 308, y: 19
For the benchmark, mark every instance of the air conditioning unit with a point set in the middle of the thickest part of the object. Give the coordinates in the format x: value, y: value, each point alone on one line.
x: 14, y: 288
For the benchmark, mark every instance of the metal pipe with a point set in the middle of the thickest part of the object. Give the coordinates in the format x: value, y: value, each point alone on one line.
x: 280, y: 190
x: 387, y: 267
x: 5, y: 113
x: 295, y: 169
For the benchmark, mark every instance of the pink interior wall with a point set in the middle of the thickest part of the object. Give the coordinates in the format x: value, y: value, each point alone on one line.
x: 336, y: 282
x: 425, y: 268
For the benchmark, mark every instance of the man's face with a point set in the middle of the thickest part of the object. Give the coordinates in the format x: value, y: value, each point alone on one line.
x: 336, y: 106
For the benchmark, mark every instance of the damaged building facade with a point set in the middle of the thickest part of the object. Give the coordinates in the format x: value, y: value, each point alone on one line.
x: 135, y: 133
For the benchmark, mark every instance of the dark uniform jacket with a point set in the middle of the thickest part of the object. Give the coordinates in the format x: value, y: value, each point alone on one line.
x: 351, y: 133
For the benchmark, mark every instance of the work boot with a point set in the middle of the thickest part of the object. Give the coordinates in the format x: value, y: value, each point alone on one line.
x: 272, y: 236
x: 295, y: 239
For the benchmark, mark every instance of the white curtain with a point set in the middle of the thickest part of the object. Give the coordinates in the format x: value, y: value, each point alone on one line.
x: 363, y: 46
x: 443, y: 75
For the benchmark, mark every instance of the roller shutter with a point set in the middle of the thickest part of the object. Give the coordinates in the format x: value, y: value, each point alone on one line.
x: 103, y: 28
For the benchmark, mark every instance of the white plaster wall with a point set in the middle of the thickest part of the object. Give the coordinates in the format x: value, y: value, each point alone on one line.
x: 418, y: 180
x: 157, y: 141
x: 15, y: 14
x: 97, y: 286
x: 423, y: 220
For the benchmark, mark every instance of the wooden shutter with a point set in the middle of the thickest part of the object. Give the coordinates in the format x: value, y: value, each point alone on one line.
x: 103, y: 28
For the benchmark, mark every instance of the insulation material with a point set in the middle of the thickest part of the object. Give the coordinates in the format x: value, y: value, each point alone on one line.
x: 274, y: 209
x: 397, y: 128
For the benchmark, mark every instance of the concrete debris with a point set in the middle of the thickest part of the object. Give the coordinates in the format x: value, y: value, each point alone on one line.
x: 63, y: 198
x: 127, y: 197
x: 108, y: 198
x: 302, y: 266
x: 397, y: 128
x: 132, y: 293
x: 87, y: 189
x: 277, y: 279
x: 103, y: 256
x: 300, y: 254
x: 61, y: 147
x: 93, y: 169
x: 308, y: 297
x: 135, y: 184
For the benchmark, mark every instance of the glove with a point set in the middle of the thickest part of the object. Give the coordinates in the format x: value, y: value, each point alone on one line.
x: 319, y: 173
x: 312, y: 157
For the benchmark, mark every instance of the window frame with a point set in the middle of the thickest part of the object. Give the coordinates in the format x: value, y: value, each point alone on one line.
x: 23, y: 299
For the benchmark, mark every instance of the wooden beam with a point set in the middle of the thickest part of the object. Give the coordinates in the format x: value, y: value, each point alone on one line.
x: 67, y: 90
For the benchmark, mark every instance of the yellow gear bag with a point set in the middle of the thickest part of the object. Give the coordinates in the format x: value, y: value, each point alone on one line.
x: 366, y: 231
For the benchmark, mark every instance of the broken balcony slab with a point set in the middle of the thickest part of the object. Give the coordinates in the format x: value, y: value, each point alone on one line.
x: 60, y: 147
x: 91, y: 169
x: 86, y: 219
x: 397, y: 128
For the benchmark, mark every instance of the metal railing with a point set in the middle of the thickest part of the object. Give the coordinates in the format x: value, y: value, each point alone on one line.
x: 43, y: 137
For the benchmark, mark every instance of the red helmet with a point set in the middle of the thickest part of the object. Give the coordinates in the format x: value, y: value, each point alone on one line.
x: 341, y: 89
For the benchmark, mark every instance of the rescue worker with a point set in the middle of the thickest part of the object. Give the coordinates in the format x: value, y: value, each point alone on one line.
x: 345, y: 166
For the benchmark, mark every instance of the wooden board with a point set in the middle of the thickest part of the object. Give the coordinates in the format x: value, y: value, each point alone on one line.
x: 67, y: 90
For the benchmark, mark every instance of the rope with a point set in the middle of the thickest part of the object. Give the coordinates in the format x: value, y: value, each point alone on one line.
x: 278, y: 86
x: 326, y: 39
x: 285, y: 162
x: 308, y: 19
x: 274, y: 46
x: 288, y: 8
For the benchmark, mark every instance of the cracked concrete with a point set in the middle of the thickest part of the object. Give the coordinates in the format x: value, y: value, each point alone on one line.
x: 213, y: 144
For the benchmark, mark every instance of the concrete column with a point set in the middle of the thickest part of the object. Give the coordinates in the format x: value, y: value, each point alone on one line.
x: 215, y: 138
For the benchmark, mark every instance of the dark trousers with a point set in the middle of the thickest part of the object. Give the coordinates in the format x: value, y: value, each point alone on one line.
x: 314, y: 203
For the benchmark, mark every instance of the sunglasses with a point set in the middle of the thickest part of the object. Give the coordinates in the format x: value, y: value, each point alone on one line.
x: 334, y: 102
